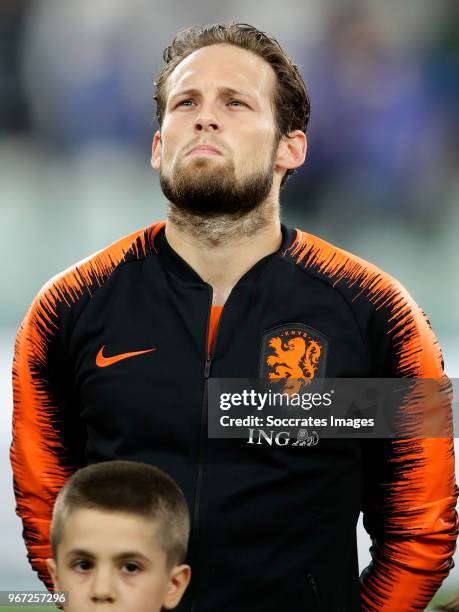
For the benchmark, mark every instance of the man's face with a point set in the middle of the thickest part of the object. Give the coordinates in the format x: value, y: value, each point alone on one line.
x: 217, y: 148
x: 111, y: 561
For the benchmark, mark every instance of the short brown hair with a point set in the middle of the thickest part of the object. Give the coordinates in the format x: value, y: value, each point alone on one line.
x: 128, y: 487
x: 291, y: 101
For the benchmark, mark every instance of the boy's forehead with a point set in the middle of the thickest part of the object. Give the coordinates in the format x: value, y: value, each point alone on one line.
x: 224, y: 65
x: 109, y: 532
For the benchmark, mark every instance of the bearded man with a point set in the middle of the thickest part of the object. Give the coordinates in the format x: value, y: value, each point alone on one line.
x: 113, y: 357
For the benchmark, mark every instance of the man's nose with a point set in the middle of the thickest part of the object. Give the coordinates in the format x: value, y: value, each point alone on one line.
x: 103, y: 588
x: 207, y: 120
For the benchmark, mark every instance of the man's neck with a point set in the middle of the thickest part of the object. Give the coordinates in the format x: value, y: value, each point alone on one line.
x: 222, y: 250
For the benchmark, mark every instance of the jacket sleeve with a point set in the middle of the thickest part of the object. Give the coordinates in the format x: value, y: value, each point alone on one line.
x: 49, y: 436
x: 410, y: 491
x: 46, y: 445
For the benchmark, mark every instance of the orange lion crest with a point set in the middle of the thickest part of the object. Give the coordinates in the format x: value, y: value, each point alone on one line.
x: 294, y: 358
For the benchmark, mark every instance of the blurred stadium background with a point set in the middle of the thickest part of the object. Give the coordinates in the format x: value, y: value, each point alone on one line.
x: 76, y: 122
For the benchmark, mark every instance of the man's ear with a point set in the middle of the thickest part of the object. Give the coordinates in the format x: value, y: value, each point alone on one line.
x: 52, y: 569
x: 179, y: 579
x: 291, y: 151
x: 156, y: 151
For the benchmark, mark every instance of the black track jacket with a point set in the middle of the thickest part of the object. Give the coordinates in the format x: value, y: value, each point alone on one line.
x: 272, y: 530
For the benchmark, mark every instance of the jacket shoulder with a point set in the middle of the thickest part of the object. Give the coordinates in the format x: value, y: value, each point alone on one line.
x: 344, y: 270
x: 385, y: 310
x: 83, y: 278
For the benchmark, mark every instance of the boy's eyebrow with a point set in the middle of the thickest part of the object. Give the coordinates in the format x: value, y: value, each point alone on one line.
x: 81, y: 552
x: 130, y: 554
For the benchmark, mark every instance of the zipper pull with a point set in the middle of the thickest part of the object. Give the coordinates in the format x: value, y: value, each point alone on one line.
x: 313, y: 583
x: 207, y: 367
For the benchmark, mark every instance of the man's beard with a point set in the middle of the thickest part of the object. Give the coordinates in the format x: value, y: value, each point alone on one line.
x: 208, y: 192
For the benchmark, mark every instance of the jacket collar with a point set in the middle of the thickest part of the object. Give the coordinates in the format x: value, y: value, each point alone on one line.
x: 184, y: 273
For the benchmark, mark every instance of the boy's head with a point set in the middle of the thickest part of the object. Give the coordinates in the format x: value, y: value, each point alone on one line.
x: 119, y: 537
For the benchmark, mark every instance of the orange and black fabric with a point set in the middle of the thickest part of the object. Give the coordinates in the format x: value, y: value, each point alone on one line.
x: 213, y: 327
x: 112, y: 362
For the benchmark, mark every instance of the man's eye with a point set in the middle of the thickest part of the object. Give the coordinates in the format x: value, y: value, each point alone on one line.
x: 237, y: 103
x: 187, y: 102
x: 130, y: 567
x: 82, y: 566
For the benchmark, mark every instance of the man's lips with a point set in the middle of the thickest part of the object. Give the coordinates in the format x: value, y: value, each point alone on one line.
x: 204, y: 150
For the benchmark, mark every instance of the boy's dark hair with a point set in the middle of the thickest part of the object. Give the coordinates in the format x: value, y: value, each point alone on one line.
x: 291, y: 101
x: 129, y: 487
